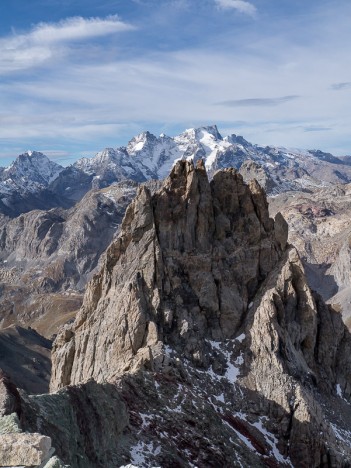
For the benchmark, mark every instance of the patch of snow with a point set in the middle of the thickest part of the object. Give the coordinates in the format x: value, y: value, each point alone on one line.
x: 272, y: 441
x: 139, y: 146
x: 233, y: 371
x: 138, y: 452
x: 341, y: 434
x: 241, y: 437
x: 168, y: 350
x: 146, y: 418
x: 241, y: 337
x: 338, y: 390
x: 215, y: 345
x: 220, y: 398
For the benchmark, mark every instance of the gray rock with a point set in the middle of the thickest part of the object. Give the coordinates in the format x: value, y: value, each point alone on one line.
x: 54, y: 462
x: 23, y: 449
x: 9, y: 424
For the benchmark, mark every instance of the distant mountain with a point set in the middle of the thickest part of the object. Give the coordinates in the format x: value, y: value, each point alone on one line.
x: 149, y: 157
x: 24, y: 184
x: 33, y: 181
x: 30, y: 172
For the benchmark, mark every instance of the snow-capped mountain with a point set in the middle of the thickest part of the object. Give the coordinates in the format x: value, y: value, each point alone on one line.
x: 147, y: 156
x: 23, y: 185
x: 30, y: 172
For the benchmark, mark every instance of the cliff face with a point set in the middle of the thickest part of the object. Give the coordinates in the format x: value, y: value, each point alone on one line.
x: 187, y: 264
x: 202, y: 322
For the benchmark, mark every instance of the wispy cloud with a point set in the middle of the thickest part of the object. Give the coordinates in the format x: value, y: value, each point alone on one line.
x: 341, y: 86
x: 77, y: 28
x: 45, y: 40
x: 258, y: 102
x: 239, y: 5
x: 316, y: 128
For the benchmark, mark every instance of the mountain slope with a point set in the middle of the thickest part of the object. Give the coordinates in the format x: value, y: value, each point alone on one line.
x: 46, y: 257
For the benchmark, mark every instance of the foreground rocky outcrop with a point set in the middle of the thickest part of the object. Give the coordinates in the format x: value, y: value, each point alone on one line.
x: 205, y: 343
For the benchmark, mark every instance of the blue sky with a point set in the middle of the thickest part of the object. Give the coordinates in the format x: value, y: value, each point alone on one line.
x: 80, y: 75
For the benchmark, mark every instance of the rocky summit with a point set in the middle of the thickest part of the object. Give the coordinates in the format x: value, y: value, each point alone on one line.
x: 199, y: 343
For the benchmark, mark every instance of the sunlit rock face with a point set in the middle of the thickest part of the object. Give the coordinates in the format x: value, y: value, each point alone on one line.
x: 188, y: 262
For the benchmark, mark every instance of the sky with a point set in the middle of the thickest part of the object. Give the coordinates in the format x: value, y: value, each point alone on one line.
x: 77, y: 76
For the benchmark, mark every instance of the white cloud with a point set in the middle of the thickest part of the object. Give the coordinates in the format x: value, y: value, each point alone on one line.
x: 77, y: 28
x: 45, y: 40
x: 239, y: 5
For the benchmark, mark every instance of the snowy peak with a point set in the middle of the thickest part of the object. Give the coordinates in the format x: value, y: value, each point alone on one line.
x: 197, y: 134
x: 143, y: 141
x: 211, y: 130
x: 30, y: 172
x: 103, y: 159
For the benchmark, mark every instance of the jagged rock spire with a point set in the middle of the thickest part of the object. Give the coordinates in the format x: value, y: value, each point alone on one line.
x: 187, y: 263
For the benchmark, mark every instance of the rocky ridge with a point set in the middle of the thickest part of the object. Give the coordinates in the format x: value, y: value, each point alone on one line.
x: 205, y: 311
x: 179, y: 246
x: 24, y: 184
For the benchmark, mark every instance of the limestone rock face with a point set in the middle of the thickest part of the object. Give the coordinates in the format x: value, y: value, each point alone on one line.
x: 189, y: 260
x: 300, y: 352
x: 251, y: 170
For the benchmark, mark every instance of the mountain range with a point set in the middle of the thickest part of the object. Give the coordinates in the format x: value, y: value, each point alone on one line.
x: 32, y: 181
